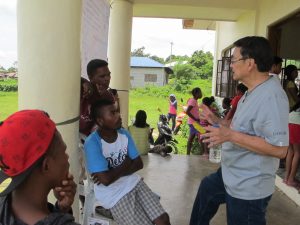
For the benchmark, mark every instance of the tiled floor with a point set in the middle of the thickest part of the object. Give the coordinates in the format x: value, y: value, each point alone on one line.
x: 176, y: 179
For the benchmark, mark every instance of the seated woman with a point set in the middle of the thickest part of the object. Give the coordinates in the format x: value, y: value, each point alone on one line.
x: 141, y: 132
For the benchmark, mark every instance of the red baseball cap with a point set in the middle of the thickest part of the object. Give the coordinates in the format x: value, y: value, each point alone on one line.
x: 24, y: 138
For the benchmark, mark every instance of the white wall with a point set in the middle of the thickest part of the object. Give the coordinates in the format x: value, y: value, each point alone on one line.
x: 251, y: 23
x: 138, y: 75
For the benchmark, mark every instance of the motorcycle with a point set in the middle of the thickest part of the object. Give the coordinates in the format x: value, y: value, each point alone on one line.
x: 165, y: 143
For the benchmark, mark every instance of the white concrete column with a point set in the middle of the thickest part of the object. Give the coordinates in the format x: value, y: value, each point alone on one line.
x: 119, y: 47
x: 49, y: 64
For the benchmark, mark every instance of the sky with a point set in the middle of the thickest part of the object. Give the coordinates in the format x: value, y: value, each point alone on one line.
x: 156, y: 35
x: 8, y: 37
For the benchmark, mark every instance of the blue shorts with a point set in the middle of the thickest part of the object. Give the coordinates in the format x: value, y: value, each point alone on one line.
x: 193, y: 130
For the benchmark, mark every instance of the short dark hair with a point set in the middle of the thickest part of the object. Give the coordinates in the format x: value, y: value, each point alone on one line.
x: 226, y: 101
x: 93, y: 65
x: 208, y: 100
x: 277, y: 60
x: 257, y: 48
x: 196, y: 90
x: 97, y: 106
x: 242, y: 88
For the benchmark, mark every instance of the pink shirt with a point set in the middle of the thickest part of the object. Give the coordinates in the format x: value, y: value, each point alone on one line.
x: 172, y: 108
x: 194, y: 111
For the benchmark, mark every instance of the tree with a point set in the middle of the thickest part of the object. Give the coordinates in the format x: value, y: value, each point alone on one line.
x: 2, y: 69
x: 177, y: 58
x: 158, y: 59
x: 186, y: 71
x: 139, y: 52
x: 204, y: 62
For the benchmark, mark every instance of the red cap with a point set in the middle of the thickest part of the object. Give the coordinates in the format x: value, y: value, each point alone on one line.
x: 24, y: 137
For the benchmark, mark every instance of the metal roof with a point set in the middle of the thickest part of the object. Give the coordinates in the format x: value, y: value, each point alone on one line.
x: 136, y: 61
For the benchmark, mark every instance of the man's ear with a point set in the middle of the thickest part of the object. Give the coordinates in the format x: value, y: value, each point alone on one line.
x: 251, y: 64
x: 45, y: 165
x: 99, y: 121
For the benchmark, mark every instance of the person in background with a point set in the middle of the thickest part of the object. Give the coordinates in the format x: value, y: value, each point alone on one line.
x: 91, y: 91
x: 112, y: 159
x: 226, y: 106
x: 276, y: 67
x: 85, y: 122
x: 141, y: 132
x: 293, y: 155
x: 252, y: 142
x: 193, y: 116
x: 291, y: 73
x: 172, y: 110
x: 204, y: 123
x: 33, y: 154
x: 99, y: 76
x: 94, y: 90
x: 240, y: 91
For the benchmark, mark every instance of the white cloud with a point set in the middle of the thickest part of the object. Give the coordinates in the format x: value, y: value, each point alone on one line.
x: 156, y: 36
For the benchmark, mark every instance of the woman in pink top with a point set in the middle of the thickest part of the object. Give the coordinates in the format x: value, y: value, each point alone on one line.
x: 172, y: 110
x: 193, y: 113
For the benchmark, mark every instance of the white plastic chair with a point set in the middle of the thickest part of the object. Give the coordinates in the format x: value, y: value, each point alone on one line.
x: 90, y: 217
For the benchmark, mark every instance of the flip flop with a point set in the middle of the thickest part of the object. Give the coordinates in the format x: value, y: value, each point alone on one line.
x: 293, y: 184
x: 284, y: 180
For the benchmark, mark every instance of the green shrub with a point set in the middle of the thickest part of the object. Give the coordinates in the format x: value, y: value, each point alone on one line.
x: 8, y: 85
x: 8, y: 88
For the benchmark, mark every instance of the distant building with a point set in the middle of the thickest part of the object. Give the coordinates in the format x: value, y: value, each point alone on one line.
x: 12, y: 75
x: 144, y: 70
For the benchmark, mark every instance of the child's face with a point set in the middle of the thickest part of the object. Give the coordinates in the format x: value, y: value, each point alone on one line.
x: 110, y: 118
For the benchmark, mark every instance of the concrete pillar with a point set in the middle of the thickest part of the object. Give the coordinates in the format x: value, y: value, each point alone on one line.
x: 49, y: 65
x: 119, y: 47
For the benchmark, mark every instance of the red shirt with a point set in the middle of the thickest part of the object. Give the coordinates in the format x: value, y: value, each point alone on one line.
x: 234, y: 102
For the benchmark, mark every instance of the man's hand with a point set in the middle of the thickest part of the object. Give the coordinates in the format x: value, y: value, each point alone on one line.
x: 215, y: 136
x: 65, y: 194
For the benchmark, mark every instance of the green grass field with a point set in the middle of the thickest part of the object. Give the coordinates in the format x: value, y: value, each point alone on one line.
x: 137, y: 101
x: 8, y: 103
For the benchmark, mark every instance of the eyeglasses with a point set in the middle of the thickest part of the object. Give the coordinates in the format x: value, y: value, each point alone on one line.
x: 234, y: 61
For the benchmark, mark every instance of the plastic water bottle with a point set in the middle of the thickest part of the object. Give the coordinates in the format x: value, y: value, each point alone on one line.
x: 215, y: 151
x: 215, y: 154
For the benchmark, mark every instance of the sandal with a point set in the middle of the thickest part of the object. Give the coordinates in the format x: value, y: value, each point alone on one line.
x: 293, y: 184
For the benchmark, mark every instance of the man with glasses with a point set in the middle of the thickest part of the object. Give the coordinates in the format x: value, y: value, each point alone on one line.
x: 252, y: 142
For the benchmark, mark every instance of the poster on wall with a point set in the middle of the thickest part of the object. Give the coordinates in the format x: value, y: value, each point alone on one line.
x: 94, y: 31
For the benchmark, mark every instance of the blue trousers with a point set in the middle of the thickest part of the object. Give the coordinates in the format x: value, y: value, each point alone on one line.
x: 212, y: 193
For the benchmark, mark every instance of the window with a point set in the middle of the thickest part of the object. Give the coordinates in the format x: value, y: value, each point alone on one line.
x: 150, y: 77
x: 225, y: 85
